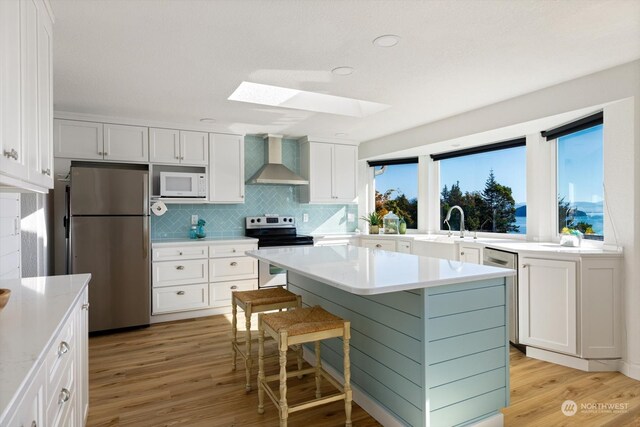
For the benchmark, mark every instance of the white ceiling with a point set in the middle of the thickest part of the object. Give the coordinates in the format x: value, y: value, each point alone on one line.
x: 179, y: 60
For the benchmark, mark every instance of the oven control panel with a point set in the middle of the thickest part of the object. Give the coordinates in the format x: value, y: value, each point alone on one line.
x: 270, y: 221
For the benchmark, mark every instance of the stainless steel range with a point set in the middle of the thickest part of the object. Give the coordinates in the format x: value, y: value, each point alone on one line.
x: 274, y: 232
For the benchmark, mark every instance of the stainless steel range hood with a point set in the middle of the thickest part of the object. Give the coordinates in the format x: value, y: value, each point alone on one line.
x: 274, y: 172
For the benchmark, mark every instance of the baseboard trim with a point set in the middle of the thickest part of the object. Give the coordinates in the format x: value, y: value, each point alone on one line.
x: 588, y: 365
x: 631, y: 370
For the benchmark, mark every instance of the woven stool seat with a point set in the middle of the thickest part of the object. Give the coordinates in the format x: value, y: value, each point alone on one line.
x: 303, y: 321
x: 265, y: 296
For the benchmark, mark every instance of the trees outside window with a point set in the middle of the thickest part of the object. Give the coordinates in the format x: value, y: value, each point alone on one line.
x: 396, y: 190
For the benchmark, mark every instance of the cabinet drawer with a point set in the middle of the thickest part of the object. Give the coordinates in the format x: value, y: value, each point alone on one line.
x: 179, y: 252
x: 180, y: 298
x: 60, y: 353
x: 387, y: 245
x: 220, y: 251
x: 220, y: 293
x: 61, y: 396
x: 236, y: 268
x: 180, y: 272
x: 404, y: 247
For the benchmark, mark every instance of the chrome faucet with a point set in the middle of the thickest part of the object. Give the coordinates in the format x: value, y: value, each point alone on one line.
x: 461, y: 219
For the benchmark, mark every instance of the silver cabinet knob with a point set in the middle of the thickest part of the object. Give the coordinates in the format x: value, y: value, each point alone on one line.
x: 11, y: 154
x: 461, y: 253
x: 525, y: 265
x: 177, y: 157
x: 46, y: 172
x: 85, y: 306
x: 64, y: 396
x: 242, y: 196
x: 233, y: 264
x: 180, y: 253
x: 378, y: 245
x: 234, y: 287
x: 233, y: 250
x: 63, y: 348
x: 100, y: 153
x: 106, y: 154
x: 180, y: 267
x: 180, y: 293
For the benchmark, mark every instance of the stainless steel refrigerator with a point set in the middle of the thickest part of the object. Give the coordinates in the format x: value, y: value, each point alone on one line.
x: 109, y: 238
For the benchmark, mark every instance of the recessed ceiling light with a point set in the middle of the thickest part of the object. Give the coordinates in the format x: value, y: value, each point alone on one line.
x: 208, y: 120
x: 341, y: 135
x: 388, y: 40
x: 342, y: 71
x: 276, y: 96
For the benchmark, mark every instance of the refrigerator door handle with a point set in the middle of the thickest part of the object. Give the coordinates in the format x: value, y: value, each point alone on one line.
x: 145, y: 238
x: 145, y: 194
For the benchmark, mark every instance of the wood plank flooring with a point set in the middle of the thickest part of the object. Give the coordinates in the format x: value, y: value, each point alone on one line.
x: 179, y: 374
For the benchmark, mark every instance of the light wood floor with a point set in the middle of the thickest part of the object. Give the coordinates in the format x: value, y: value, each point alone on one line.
x: 179, y: 374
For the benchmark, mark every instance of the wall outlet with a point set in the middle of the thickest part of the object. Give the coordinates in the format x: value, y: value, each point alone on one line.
x: 194, y: 219
x: 305, y: 217
x: 351, y: 217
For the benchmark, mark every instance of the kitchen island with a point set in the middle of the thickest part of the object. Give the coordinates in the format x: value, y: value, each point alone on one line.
x: 429, y: 344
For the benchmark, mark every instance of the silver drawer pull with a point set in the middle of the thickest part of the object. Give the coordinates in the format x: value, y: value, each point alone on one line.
x: 525, y: 265
x: 46, y: 172
x: 233, y: 250
x: 100, y: 153
x: 234, y: 287
x: 85, y: 306
x: 64, y: 396
x: 180, y: 267
x: 180, y: 293
x: 63, y: 348
x: 378, y: 245
x: 461, y: 253
x: 180, y: 253
x: 233, y: 264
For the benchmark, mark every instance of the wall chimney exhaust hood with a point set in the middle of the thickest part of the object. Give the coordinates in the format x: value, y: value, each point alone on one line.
x: 274, y: 172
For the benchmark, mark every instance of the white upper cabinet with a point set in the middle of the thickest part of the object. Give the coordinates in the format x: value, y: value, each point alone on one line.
x: 126, y: 143
x: 194, y: 148
x: 78, y: 140
x: 178, y: 147
x: 226, y: 171
x: 13, y: 157
x: 164, y: 146
x: 26, y: 102
x: 331, y: 171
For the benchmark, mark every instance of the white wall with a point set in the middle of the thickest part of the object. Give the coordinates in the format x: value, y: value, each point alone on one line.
x: 617, y: 92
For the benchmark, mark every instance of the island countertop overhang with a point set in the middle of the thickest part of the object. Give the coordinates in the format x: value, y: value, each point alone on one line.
x: 364, y: 271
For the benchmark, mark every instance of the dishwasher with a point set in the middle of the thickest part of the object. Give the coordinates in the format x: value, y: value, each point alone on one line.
x: 498, y: 258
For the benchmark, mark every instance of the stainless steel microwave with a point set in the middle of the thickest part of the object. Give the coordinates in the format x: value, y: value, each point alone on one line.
x: 181, y: 184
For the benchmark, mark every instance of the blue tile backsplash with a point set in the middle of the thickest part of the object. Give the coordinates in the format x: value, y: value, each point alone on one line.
x: 228, y: 220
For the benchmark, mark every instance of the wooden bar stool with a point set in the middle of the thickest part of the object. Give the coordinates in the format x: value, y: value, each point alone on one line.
x: 257, y: 301
x: 297, y: 327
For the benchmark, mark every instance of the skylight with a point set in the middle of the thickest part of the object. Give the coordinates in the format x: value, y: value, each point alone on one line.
x: 275, y: 96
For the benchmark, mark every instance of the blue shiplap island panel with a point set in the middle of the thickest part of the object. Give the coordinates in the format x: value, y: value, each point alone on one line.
x: 431, y: 357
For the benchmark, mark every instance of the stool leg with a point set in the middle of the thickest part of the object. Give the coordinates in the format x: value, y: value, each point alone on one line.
x: 282, y: 350
x: 248, y: 360
x: 234, y: 333
x: 347, y: 373
x: 260, y: 365
x: 318, y: 367
x: 300, y: 351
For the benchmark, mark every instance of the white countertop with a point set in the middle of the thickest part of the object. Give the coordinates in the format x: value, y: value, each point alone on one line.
x: 371, y: 271
x: 29, y: 322
x: 206, y: 240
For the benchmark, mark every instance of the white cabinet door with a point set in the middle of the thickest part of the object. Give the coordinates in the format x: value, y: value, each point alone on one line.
x: 344, y: 173
x: 10, y: 243
x: 82, y: 358
x: 78, y: 140
x: 30, y: 411
x: 547, y: 302
x: 226, y: 172
x: 180, y: 298
x: 126, y: 143
x: 29, y: 86
x: 13, y: 159
x: 471, y: 254
x: 164, y: 145
x: 194, y: 148
x: 321, y: 172
x: 44, y: 169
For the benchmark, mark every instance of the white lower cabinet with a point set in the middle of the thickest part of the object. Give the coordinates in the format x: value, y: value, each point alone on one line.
x: 384, y: 244
x: 57, y: 395
x: 188, y: 277
x: 548, y: 304
x: 180, y: 298
x: 470, y: 253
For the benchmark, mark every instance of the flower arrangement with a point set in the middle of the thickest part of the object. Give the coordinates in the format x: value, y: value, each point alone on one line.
x: 570, y: 237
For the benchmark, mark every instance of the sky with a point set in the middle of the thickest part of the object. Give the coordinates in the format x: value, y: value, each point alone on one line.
x: 580, y: 172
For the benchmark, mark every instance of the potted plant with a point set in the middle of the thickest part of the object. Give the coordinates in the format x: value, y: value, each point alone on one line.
x: 374, y: 219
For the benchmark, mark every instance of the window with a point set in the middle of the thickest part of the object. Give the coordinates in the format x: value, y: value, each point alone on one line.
x: 580, y: 179
x: 489, y: 184
x: 396, y: 189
